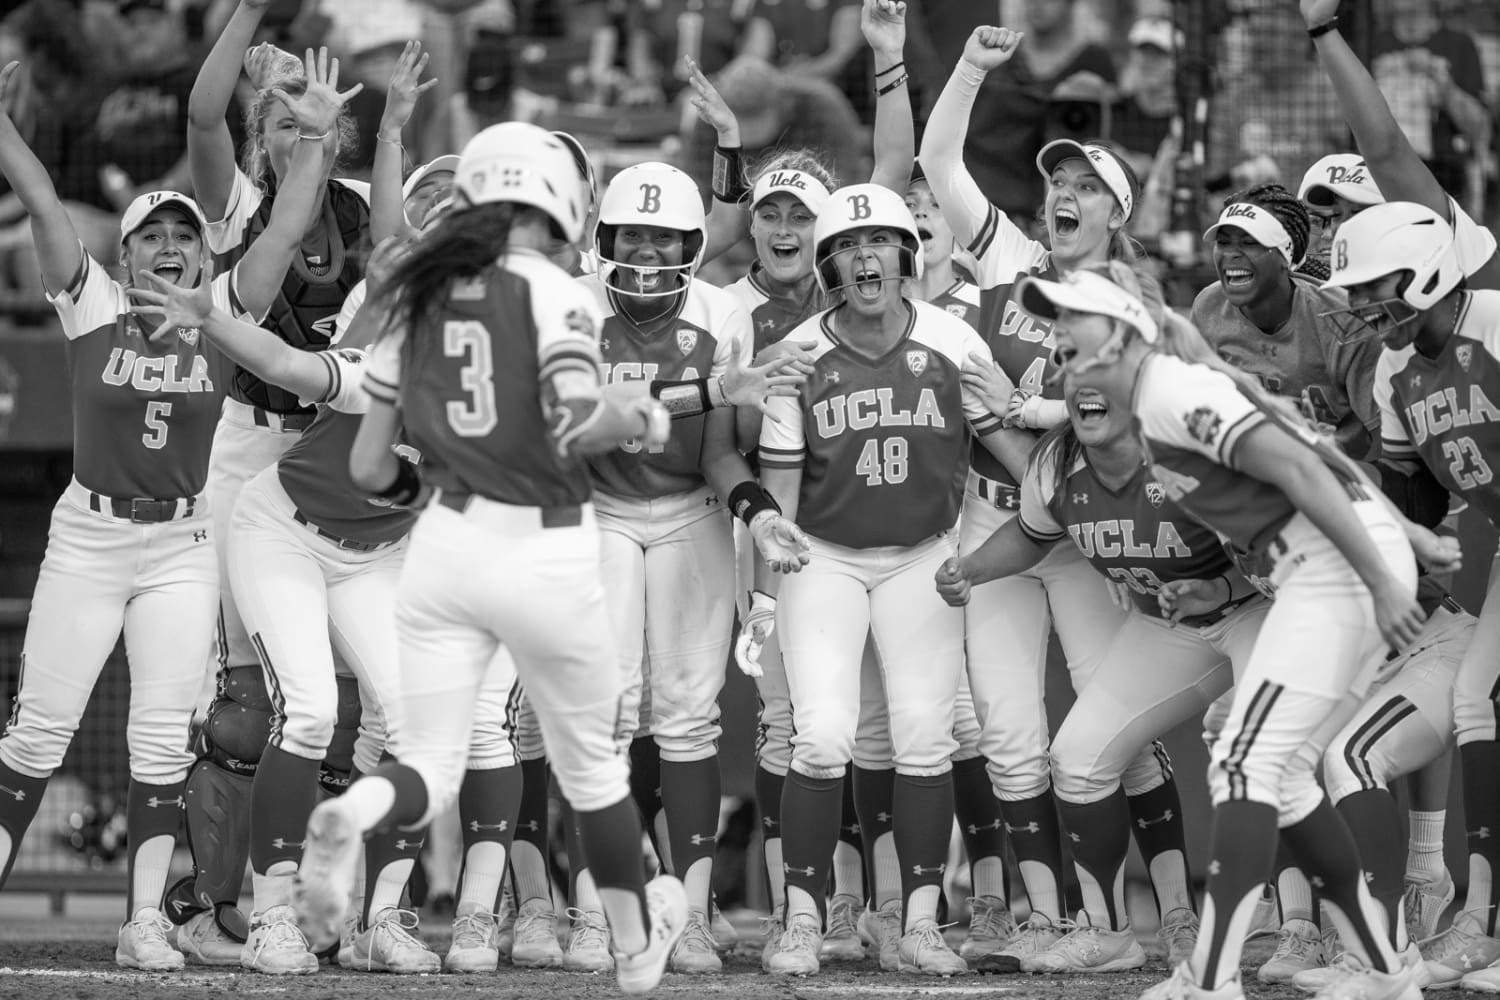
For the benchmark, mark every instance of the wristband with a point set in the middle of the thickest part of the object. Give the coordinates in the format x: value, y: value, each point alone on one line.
x: 311, y: 138
x: 729, y: 178
x: 891, y: 86
x: 683, y: 399
x: 890, y: 69
x: 405, y: 487
x: 1319, y: 30
x: 723, y: 397
x: 748, y: 499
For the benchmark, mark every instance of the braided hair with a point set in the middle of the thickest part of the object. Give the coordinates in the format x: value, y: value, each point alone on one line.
x: 1288, y: 210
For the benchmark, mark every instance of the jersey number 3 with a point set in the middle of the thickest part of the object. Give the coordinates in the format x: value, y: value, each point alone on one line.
x: 475, y: 415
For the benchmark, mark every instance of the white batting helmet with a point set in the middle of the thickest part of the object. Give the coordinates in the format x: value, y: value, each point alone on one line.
x: 863, y: 206
x: 521, y: 163
x: 1393, y: 237
x: 652, y: 194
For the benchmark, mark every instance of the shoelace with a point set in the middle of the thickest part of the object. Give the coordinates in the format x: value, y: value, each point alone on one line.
x: 281, y: 933
x: 841, y: 922
x: 695, y: 936
x: 801, y: 935
x: 153, y: 929
x: 476, y: 925
x: 1028, y: 939
x: 1182, y: 929
x: 1292, y: 945
x: 587, y: 931
x: 535, y: 924
x: 988, y: 919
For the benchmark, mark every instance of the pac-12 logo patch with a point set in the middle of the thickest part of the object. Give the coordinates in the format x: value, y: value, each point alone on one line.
x: 1203, y: 424
x: 1156, y: 494
x: 686, y: 341
x: 1464, y: 353
x: 916, y: 361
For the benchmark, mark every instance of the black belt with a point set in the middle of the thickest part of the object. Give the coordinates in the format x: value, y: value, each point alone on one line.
x: 1218, y: 614
x: 142, y: 510
x: 344, y: 543
x: 566, y: 516
x: 288, y: 421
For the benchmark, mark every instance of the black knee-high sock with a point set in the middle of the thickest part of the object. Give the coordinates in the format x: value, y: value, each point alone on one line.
x: 488, y: 801
x: 532, y: 816
x: 1481, y: 762
x: 282, y: 797
x: 1097, y: 833
x: 150, y: 811
x: 978, y: 811
x: 1240, y: 857
x: 383, y: 848
x: 874, y: 795
x: 690, y: 797
x: 1325, y: 849
x: 1374, y: 821
x: 645, y: 788
x: 850, y: 831
x: 1037, y: 841
x: 1156, y: 822
x: 768, y: 790
x: 20, y: 797
x: 609, y: 842
x: 573, y: 845
x: 810, y: 807
x: 923, y: 807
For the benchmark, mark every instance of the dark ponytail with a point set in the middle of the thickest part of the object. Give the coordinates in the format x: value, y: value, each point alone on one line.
x: 1060, y: 447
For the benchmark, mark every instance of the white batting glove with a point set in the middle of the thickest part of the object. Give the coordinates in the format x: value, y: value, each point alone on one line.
x: 757, y: 627
x: 781, y: 543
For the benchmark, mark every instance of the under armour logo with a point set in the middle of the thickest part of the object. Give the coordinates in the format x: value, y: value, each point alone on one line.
x: 1075, y: 838
x: 699, y: 839
x: 1214, y: 867
x: 831, y: 376
x: 919, y: 870
x: 1032, y: 827
x: 282, y: 845
x: 996, y: 825
x: 766, y: 324
x: 18, y: 794
x: 155, y: 802
x: 882, y: 817
x: 1315, y: 881
x: 1146, y: 824
x: 852, y: 829
x: 200, y: 536
x: 769, y: 823
x: 407, y: 845
x: 604, y: 344
x: 807, y: 872
x: 475, y: 826
x: 531, y: 826
x: 1080, y: 498
x: 1483, y: 833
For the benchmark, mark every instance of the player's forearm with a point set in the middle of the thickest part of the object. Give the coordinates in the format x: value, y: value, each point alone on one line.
x: 264, y: 267
x: 1314, y: 490
x: 964, y: 205
x: 895, y: 133
x: 57, y: 246
x: 387, y: 207
x: 1005, y: 553
x: 373, y: 466
x: 1012, y: 447
x: 260, y: 351
x: 213, y: 88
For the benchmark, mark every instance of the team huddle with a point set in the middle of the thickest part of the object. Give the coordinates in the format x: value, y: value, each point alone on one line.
x: 480, y: 511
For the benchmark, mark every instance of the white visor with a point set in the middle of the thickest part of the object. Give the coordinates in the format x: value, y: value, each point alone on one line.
x: 1262, y: 226
x: 1106, y: 164
x: 1086, y: 292
x: 447, y: 162
x: 798, y: 183
x: 139, y: 210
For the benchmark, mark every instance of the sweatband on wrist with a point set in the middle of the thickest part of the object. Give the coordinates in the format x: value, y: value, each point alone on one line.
x: 405, y: 487
x: 1319, y: 30
x: 729, y: 178
x: 748, y: 499
x: 685, y: 398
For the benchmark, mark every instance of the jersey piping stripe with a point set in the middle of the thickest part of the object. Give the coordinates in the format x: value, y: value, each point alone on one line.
x: 335, y: 378
x: 567, y: 359
x: 1357, y: 752
x: 1041, y: 537
x: 379, y: 388
x: 273, y: 687
x: 1261, y: 705
x: 986, y: 235
x: 1234, y: 433
x: 1163, y: 759
x: 513, y: 718
x: 776, y: 458
x: 75, y: 286
x: 986, y: 424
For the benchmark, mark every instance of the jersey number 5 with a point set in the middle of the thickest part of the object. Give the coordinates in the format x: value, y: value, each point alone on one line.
x: 474, y: 416
x: 157, y: 413
x: 883, y: 461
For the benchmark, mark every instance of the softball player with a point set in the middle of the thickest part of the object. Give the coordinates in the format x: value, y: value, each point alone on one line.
x: 508, y: 549
x: 876, y: 530
x: 1091, y: 195
x: 1344, y: 577
x: 1195, y: 620
x: 130, y: 544
x: 1434, y: 384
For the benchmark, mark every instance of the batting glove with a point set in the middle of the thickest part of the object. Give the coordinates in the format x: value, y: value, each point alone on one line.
x: 757, y: 627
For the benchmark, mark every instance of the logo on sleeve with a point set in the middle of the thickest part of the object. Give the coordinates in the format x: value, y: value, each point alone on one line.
x: 687, y: 340
x: 580, y: 322
x: 916, y: 361
x: 1156, y: 494
x: 1203, y: 424
x: 958, y: 309
x: 1464, y: 352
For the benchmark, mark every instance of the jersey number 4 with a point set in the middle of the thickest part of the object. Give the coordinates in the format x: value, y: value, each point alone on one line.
x: 883, y: 461
x: 473, y: 416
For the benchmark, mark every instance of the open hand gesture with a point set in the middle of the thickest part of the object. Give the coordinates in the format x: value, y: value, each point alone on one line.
x: 781, y: 543
x: 317, y: 110
x: 401, y: 96
x: 712, y: 110
x: 774, y: 373
x: 184, y: 311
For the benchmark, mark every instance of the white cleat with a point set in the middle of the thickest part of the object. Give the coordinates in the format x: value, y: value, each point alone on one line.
x: 1179, y: 932
x: 1460, y: 950
x: 922, y: 950
x: 534, y: 942
x: 726, y: 938
x: 1087, y: 949
x: 666, y: 901
x: 1366, y: 984
x: 326, y: 874
x: 1424, y: 903
x: 1299, y: 949
x: 275, y: 946
x: 695, y: 953
x: 588, y: 943
x: 1180, y: 986
x: 772, y: 928
x: 389, y: 945
x: 883, y: 927
x: 1263, y: 920
x: 1036, y: 935
x: 841, y: 942
x: 797, y: 952
x: 143, y: 943
x: 202, y: 941
x: 475, y: 946
x: 991, y: 926
x: 1483, y: 981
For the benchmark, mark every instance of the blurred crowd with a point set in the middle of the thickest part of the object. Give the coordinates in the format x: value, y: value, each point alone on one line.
x: 105, y: 95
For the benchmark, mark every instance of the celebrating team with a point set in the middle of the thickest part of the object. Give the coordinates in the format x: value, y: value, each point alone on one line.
x: 473, y: 502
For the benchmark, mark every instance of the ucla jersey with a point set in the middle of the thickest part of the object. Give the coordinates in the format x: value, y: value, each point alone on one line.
x: 307, y: 304
x: 1133, y: 534
x: 1445, y: 411
x: 1305, y: 359
x: 772, y: 317
x: 880, y: 441
x: 471, y: 397
x: 960, y: 299
x: 697, y: 344
x: 144, y: 411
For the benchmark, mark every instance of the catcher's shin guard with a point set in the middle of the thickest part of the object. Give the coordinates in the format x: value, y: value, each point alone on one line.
x: 218, y: 826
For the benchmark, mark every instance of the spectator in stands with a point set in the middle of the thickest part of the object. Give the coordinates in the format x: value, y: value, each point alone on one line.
x: 1141, y: 116
x: 1269, y: 124
x: 660, y: 33
x: 1433, y: 80
x: 820, y: 39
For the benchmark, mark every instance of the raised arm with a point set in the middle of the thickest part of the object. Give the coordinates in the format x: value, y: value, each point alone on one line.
x: 964, y: 206
x: 210, y: 146
x: 387, y: 207
x: 727, y: 219
x: 884, y: 25
x: 57, y: 246
x: 263, y: 268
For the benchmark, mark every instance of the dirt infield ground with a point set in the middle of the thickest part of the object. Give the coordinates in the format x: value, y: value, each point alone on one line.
x: 50, y: 959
